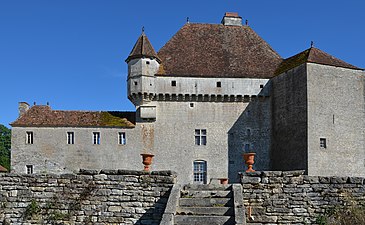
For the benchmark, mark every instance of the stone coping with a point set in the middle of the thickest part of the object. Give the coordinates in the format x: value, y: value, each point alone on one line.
x: 298, y: 175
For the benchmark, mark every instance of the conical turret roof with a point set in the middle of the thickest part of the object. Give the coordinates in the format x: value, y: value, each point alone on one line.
x: 142, y: 49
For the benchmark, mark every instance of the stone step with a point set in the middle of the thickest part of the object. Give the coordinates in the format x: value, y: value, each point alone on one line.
x: 214, y: 211
x: 202, y: 220
x: 206, y: 202
x: 208, y: 187
x: 205, y: 194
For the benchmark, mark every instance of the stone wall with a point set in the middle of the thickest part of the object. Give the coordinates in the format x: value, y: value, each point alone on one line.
x: 108, y: 197
x: 50, y: 152
x: 293, y: 198
x: 336, y: 114
x: 289, y: 120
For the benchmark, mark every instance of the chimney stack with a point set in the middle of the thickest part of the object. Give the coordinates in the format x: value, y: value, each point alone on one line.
x: 232, y: 19
x: 22, y: 108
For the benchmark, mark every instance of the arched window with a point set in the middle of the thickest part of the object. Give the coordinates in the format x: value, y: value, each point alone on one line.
x: 200, y: 172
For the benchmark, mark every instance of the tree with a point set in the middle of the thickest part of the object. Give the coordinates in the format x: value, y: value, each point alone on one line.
x: 5, y: 146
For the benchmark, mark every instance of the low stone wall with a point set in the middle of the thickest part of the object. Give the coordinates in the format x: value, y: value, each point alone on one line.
x: 293, y: 198
x: 92, y: 197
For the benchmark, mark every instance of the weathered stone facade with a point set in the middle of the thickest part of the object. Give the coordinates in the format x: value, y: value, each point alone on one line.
x: 108, y: 197
x: 212, y: 93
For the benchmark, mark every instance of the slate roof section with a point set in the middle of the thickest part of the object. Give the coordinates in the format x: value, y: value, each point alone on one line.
x: 143, y: 49
x: 44, y: 116
x: 312, y: 55
x: 216, y: 50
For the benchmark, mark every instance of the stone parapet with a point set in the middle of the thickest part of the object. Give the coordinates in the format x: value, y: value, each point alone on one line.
x: 91, y: 197
x: 290, y: 197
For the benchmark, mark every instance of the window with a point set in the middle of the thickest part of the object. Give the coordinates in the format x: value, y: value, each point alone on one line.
x: 96, y: 138
x: 121, y: 138
x: 323, y: 143
x: 135, y: 83
x: 200, y: 137
x: 261, y: 86
x: 173, y: 83
x: 70, y: 138
x: 29, y: 137
x: 248, y: 132
x: 147, y: 62
x: 29, y: 169
x: 200, y: 172
x: 247, y: 147
x: 191, y: 105
x: 219, y: 84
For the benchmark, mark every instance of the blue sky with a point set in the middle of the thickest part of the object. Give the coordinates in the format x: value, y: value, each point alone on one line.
x: 71, y: 53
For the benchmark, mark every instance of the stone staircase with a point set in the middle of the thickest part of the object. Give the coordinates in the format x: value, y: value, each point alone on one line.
x: 206, y: 204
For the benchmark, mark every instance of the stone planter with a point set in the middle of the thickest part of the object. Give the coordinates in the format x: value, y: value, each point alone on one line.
x: 147, y: 161
x: 249, y: 160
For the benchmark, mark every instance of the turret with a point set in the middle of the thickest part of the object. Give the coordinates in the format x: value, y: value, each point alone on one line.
x: 143, y: 64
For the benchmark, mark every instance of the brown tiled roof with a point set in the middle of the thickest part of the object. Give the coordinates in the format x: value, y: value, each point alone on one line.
x: 3, y: 169
x: 216, y: 50
x: 44, y: 116
x: 312, y: 55
x: 142, y: 49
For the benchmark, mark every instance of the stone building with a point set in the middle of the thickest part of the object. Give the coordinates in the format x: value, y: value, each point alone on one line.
x: 211, y: 93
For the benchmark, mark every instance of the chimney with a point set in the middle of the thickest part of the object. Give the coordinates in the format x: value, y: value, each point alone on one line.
x: 22, y: 108
x: 232, y: 19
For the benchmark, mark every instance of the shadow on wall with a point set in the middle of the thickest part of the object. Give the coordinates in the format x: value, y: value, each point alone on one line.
x: 251, y: 133
x: 153, y: 215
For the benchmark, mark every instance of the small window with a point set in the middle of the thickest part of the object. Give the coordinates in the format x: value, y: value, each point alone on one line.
x: 29, y: 169
x: 121, y: 138
x: 135, y: 83
x: 70, y: 138
x: 323, y: 143
x: 200, y: 137
x: 247, y: 147
x: 261, y: 86
x: 191, y: 105
x: 219, y: 84
x: 29, y: 139
x: 96, y: 138
x: 173, y: 83
x: 147, y: 62
x: 248, y: 132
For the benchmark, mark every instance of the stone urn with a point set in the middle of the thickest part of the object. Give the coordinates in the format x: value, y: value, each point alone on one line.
x: 147, y: 161
x: 249, y: 160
